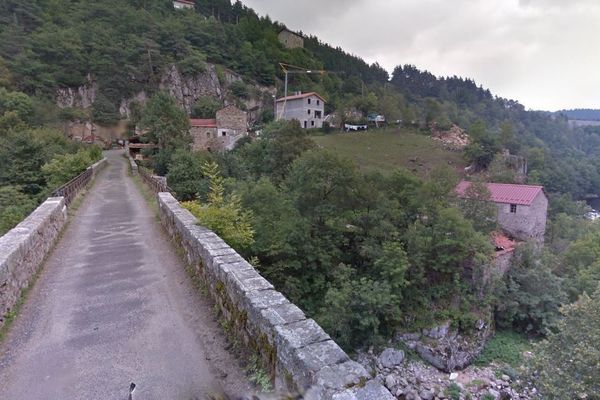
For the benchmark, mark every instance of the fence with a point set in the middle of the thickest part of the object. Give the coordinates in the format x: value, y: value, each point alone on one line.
x: 70, y: 189
x: 157, y: 184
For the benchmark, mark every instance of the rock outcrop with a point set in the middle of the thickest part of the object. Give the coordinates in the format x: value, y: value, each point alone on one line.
x: 443, y: 347
x: 185, y: 89
x: 414, y: 380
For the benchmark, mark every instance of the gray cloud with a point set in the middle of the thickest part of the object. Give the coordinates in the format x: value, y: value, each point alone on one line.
x: 540, y: 52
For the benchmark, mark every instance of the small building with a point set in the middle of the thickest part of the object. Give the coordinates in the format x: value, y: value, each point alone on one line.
x: 220, y: 133
x: 307, y: 108
x: 184, y: 4
x: 289, y: 39
x: 522, y: 209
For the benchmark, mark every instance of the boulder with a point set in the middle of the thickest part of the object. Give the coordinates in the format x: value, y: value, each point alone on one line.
x: 391, y: 358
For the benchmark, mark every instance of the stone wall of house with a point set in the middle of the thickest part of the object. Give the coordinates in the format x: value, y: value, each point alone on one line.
x: 232, y: 125
x: 23, y: 248
x: 204, y: 138
x: 296, y: 351
x: 528, y: 223
x: 290, y: 40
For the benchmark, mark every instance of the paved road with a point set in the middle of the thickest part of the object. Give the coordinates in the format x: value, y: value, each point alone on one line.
x: 112, y: 306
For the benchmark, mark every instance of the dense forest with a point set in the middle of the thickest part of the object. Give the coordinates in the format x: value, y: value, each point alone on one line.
x: 581, y: 113
x: 365, y: 254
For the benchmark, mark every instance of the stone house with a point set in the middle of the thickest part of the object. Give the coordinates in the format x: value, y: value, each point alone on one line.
x: 183, y: 4
x: 521, y: 209
x: 289, y: 39
x: 220, y: 133
x: 307, y: 108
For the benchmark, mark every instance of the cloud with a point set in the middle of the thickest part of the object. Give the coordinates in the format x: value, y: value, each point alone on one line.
x: 539, y: 52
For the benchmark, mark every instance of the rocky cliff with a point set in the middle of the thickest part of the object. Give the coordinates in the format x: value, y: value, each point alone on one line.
x: 214, y: 81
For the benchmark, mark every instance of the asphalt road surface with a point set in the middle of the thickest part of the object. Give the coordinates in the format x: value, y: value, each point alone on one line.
x: 114, y: 305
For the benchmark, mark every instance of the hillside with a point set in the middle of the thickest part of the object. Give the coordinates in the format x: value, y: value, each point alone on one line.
x: 587, y: 114
x: 121, y: 52
x: 386, y: 150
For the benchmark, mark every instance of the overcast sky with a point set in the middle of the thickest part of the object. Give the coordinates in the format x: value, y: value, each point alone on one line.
x: 544, y: 53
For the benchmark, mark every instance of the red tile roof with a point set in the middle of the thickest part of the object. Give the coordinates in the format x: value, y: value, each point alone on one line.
x: 203, y: 123
x: 506, y: 193
x: 190, y: 2
x: 301, y: 96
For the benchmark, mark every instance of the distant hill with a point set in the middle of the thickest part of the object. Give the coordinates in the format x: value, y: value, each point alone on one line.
x: 587, y: 114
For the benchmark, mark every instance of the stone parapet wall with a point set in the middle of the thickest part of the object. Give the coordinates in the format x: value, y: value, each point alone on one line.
x: 132, y: 164
x: 97, y: 166
x: 23, y: 248
x: 299, y: 355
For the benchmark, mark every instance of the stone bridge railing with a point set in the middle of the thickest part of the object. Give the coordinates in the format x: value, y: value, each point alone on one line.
x: 299, y: 355
x: 24, y: 248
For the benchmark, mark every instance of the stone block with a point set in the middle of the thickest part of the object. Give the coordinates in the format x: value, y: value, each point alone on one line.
x: 341, y: 376
x: 268, y: 318
x: 309, y: 360
x: 373, y: 390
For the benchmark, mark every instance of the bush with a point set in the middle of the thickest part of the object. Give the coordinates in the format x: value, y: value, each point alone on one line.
x: 223, y: 214
x: 63, y: 168
x: 505, y: 347
x: 206, y: 107
x: 239, y: 89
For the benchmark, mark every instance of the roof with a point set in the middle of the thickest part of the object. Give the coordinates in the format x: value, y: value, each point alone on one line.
x: 203, y: 123
x: 301, y: 96
x: 287, y: 30
x: 190, y: 2
x: 507, y: 193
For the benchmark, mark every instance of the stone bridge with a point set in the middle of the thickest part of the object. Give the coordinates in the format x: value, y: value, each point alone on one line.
x: 105, y: 301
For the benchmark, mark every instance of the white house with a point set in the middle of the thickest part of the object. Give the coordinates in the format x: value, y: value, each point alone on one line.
x: 307, y: 108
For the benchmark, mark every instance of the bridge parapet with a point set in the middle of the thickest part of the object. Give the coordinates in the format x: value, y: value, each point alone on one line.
x: 299, y: 355
x: 23, y: 248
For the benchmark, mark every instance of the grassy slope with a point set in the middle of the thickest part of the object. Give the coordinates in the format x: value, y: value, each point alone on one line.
x: 385, y: 150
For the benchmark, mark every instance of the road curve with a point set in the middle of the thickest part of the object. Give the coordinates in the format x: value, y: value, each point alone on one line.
x: 113, y: 305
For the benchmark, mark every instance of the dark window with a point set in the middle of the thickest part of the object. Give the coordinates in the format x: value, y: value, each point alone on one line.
x: 318, y: 103
x: 513, y: 208
x: 312, y: 123
x: 305, y: 124
x: 308, y: 112
x: 224, y: 133
x: 308, y: 101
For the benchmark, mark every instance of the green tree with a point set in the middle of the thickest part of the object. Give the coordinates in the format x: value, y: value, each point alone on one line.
x: 166, y: 122
x: 206, y: 107
x: 185, y: 174
x: 104, y: 111
x: 223, y: 213
x: 565, y: 365
x: 478, y: 208
x: 532, y: 295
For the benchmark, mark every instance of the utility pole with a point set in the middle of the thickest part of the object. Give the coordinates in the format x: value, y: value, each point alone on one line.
x: 293, y: 69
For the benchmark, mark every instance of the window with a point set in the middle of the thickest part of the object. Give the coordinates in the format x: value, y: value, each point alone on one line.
x: 207, y: 134
x: 312, y: 123
x: 223, y: 133
x: 318, y: 103
x: 304, y: 124
x: 308, y: 101
x: 308, y: 112
x: 513, y: 208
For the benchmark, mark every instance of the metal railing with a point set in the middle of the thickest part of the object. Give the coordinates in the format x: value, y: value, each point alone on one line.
x: 156, y: 184
x: 70, y: 189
